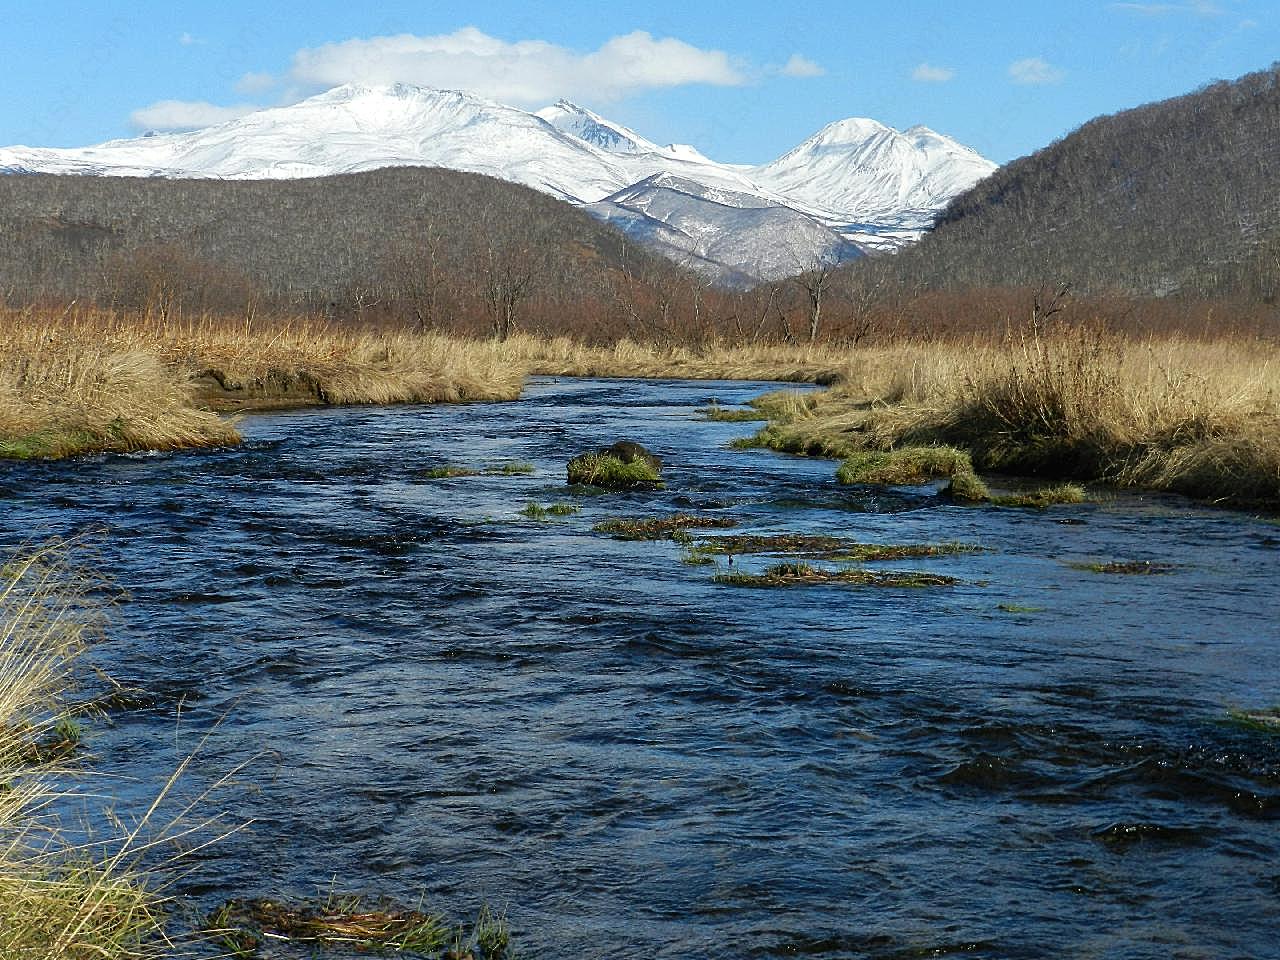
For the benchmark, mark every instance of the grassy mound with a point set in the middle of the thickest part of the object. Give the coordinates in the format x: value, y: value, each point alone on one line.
x: 907, y: 465
x: 612, y: 473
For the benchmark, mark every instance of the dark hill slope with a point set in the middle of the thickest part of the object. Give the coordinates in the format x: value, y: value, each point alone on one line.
x: 406, y: 233
x: 1176, y: 197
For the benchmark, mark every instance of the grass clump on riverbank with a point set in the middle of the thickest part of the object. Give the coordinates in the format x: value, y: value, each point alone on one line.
x: 61, y: 396
x: 1200, y: 418
x: 731, y: 415
x: 908, y: 465
x: 1043, y: 497
x: 56, y: 902
x: 916, y: 465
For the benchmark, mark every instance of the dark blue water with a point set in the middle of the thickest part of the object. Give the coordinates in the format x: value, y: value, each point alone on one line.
x: 634, y: 761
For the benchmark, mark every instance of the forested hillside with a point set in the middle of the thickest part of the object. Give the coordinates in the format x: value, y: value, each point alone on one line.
x: 427, y: 246
x: 1180, y: 197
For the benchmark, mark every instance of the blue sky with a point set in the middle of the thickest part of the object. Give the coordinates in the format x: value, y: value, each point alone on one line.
x: 1003, y: 77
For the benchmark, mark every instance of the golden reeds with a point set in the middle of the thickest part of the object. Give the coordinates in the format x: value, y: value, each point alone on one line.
x: 1196, y: 417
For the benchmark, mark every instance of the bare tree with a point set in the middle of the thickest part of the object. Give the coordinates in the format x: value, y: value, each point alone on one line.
x: 815, y: 283
x: 508, y: 281
x: 418, y: 277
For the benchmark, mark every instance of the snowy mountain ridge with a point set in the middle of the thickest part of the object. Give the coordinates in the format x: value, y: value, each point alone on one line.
x: 856, y: 182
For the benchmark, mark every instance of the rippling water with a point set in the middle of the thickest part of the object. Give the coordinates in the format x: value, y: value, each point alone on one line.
x: 636, y: 762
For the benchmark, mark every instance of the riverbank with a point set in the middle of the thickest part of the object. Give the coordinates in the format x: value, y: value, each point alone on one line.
x: 88, y: 381
x: 1200, y: 418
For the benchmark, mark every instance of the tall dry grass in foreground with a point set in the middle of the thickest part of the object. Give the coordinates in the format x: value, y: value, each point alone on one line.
x: 1195, y: 417
x: 55, y: 902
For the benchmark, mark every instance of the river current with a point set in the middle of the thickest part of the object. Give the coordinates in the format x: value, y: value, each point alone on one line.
x: 441, y: 696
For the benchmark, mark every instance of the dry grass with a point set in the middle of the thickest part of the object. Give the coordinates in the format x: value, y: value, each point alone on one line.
x: 798, y: 363
x: 89, y: 380
x: 95, y: 899
x: 55, y: 902
x: 355, y: 924
x: 62, y: 393
x: 1196, y: 417
x: 82, y: 380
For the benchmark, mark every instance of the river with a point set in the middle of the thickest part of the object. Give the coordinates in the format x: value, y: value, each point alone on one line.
x: 438, y: 695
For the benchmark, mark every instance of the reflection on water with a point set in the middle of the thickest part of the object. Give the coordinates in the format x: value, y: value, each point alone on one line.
x: 639, y: 763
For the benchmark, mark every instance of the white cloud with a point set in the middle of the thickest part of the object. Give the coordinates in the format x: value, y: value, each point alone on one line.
x: 186, y: 115
x: 524, y: 72
x: 928, y: 73
x: 1035, y: 72
x: 1201, y: 8
x: 188, y: 40
x: 801, y: 66
x: 252, y: 83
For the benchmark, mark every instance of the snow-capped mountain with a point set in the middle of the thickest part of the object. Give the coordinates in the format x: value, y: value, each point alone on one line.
x: 858, y: 172
x: 725, y: 235
x: 855, y: 182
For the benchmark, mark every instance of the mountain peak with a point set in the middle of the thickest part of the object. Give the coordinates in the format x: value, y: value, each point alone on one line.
x: 589, y: 127
x: 852, y: 130
x: 401, y: 92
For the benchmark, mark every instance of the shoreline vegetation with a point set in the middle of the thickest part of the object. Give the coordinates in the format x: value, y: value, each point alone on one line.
x: 57, y: 900
x: 1192, y: 415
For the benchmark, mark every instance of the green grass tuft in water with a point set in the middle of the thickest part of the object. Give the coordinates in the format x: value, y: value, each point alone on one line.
x: 610, y: 472
x: 1044, y: 497
x: 536, y: 511
x: 907, y: 465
